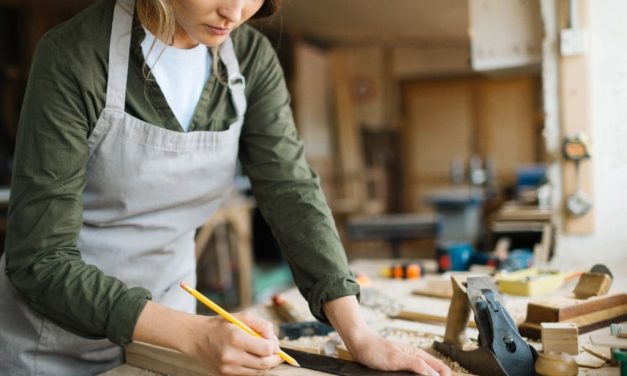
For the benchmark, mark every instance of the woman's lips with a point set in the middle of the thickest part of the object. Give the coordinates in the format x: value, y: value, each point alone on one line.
x: 219, y: 31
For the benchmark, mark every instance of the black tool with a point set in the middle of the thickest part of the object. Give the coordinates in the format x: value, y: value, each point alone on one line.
x: 501, y: 350
x: 336, y: 366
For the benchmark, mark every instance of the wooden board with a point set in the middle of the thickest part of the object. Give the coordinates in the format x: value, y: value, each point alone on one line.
x: 587, y: 314
x: 174, y: 363
x: 426, y: 317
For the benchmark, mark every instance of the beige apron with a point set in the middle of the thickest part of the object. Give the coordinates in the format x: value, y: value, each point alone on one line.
x: 147, y: 190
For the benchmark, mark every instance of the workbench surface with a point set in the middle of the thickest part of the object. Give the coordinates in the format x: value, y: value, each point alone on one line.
x: 385, y: 296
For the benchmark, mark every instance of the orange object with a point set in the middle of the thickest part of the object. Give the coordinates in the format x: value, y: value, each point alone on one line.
x: 403, y: 271
x: 362, y: 280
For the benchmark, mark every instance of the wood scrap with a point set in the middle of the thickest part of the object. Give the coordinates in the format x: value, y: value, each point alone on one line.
x: 589, y: 314
x: 585, y: 359
x: 602, y: 352
x: 608, y: 340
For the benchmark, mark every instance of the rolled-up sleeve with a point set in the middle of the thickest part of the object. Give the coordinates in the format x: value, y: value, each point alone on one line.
x: 44, y: 263
x: 288, y: 192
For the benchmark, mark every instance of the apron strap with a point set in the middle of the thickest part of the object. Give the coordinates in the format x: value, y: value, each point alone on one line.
x: 119, y: 51
x: 236, y: 81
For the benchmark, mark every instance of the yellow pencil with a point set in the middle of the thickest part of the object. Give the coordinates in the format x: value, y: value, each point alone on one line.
x: 228, y: 317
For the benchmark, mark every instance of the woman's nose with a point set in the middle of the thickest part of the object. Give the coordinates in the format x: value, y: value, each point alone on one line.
x: 232, y: 10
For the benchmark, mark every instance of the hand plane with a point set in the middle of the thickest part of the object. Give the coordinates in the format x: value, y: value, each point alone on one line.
x: 501, y: 350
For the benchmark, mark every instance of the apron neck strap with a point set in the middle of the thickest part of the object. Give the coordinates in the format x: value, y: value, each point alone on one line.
x: 119, y: 51
x: 236, y: 81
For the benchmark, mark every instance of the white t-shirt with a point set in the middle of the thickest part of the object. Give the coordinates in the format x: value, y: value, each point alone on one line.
x: 180, y: 73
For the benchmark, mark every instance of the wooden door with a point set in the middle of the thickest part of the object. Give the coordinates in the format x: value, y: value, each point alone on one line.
x: 451, y: 119
x: 437, y: 127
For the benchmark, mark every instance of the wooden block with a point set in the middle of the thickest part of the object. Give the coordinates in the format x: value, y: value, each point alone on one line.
x: 592, y: 284
x: 588, y: 315
x: 560, y: 337
x: 568, y: 346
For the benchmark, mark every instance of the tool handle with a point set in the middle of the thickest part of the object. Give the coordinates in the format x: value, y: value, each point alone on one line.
x: 458, y: 315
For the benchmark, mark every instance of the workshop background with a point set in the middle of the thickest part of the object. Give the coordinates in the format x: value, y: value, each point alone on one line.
x: 433, y: 124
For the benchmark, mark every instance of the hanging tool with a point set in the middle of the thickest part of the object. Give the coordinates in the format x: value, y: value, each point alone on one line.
x: 577, y: 149
x: 501, y: 350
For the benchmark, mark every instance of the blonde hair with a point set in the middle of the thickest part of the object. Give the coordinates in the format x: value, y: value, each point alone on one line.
x: 158, y: 16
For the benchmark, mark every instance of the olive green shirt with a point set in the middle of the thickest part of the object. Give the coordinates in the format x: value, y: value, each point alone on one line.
x: 64, y: 98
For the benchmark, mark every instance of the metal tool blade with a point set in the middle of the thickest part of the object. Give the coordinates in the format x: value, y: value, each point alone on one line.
x: 336, y: 366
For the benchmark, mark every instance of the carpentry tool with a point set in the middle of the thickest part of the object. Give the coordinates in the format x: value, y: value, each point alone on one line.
x: 555, y: 363
x: 532, y: 281
x: 577, y: 149
x: 338, y: 366
x: 230, y: 318
x: 596, y: 282
x: 304, y: 329
x: 501, y: 351
x: 588, y: 315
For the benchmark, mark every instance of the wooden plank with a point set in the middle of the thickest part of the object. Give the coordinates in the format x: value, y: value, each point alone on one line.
x: 426, y: 317
x: 170, y: 362
x: 588, y: 315
x: 348, y: 137
x: 562, y: 309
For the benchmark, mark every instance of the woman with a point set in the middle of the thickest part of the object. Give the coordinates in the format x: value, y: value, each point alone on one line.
x: 126, y: 145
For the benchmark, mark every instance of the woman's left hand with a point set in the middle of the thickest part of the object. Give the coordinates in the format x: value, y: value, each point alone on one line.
x: 373, y: 350
x: 378, y: 353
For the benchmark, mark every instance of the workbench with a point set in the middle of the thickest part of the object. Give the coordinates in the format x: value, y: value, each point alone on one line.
x: 382, y: 297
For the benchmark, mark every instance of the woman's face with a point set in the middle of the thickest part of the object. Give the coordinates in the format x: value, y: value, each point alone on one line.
x: 210, y: 21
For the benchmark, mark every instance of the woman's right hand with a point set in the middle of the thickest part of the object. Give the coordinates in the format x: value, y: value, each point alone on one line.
x: 216, y: 343
x: 226, y: 349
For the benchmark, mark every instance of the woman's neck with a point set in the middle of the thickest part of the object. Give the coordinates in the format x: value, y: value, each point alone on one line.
x: 180, y: 38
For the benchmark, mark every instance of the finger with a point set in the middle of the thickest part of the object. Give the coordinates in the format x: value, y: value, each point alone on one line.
x: 261, y: 326
x: 238, y: 357
x: 414, y: 363
x: 253, y: 345
x: 435, y: 363
x: 260, y: 362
